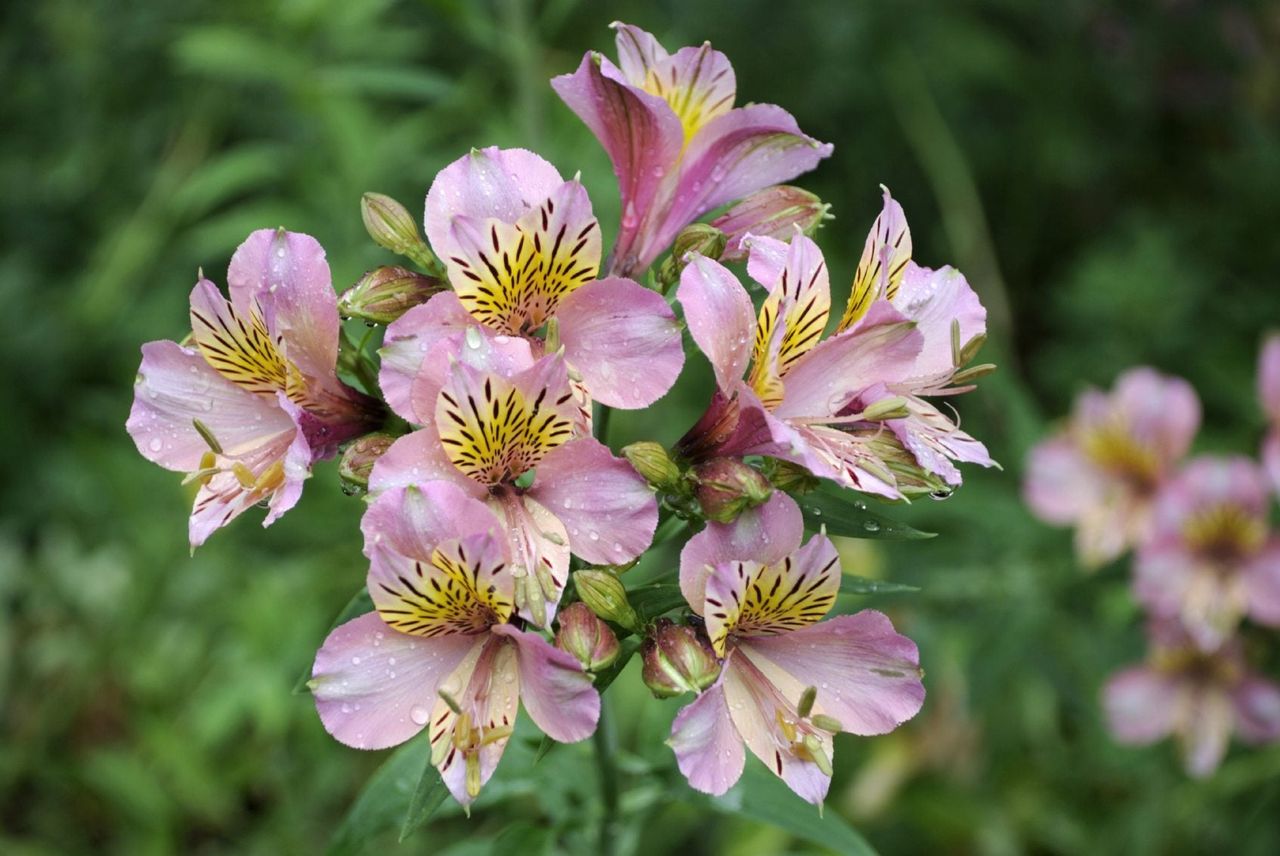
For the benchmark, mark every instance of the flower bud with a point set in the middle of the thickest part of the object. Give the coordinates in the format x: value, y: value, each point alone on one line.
x: 358, y: 460
x: 606, y: 596
x: 392, y: 227
x: 774, y: 212
x: 701, y: 238
x: 789, y: 477
x: 384, y: 294
x: 727, y: 487
x: 586, y: 637
x: 677, y: 660
x: 653, y: 463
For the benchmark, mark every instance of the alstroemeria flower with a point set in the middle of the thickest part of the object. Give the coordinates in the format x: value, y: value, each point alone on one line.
x: 1210, y: 558
x: 254, y: 400
x: 1100, y: 473
x: 1196, y: 696
x: 491, y: 415
x: 438, y: 653
x: 678, y: 145
x: 790, y: 681
x: 812, y: 401
x: 1269, y: 395
x: 523, y: 250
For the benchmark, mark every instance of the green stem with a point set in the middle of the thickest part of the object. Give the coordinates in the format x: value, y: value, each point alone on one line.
x: 602, y: 424
x: 605, y: 742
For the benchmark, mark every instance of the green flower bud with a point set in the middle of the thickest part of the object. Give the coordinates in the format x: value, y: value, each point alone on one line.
x: 653, y: 463
x: 384, y: 294
x: 586, y: 637
x: 606, y: 596
x: 727, y: 487
x: 677, y: 660
x: 392, y: 227
x: 358, y: 460
x: 774, y: 212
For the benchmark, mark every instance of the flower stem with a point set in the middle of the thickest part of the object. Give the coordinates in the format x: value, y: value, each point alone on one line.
x: 605, y: 742
x: 602, y: 424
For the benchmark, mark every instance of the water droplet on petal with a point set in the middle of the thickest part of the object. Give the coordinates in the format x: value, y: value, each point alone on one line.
x: 419, y: 714
x: 155, y: 445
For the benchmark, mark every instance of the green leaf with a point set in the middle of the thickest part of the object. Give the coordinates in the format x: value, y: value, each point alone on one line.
x: 359, y: 604
x: 654, y: 600
x: 762, y: 797
x: 428, y: 796
x: 850, y: 584
x: 843, y: 515
x: 385, y: 799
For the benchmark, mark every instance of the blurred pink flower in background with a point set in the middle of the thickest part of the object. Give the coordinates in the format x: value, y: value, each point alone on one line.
x: 1269, y: 394
x: 1198, y: 697
x: 1101, y: 472
x: 1211, y: 558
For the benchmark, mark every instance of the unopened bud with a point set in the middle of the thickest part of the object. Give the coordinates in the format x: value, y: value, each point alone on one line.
x: 653, y: 463
x: 392, y: 227
x: 789, y: 477
x: 586, y: 637
x: 358, y: 460
x: 606, y: 596
x: 774, y: 212
x: 677, y: 660
x: 701, y: 238
x: 384, y: 294
x: 727, y: 487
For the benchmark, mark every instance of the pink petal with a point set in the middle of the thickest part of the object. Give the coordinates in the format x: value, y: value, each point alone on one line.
x: 1271, y: 458
x: 1162, y: 576
x: 708, y: 749
x: 1141, y: 705
x: 766, y: 259
x: 936, y: 441
x: 1060, y: 483
x: 416, y: 458
x: 868, y: 675
x: 882, y: 349
x: 624, y: 341
x: 643, y: 138
x: 486, y: 688
x: 935, y: 300
x: 756, y: 704
x: 481, y: 350
x: 286, y: 272
x: 1257, y: 704
x: 721, y: 318
x: 1262, y: 583
x: 1205, y: 483
x: 1269, y: 377
x: 765, y: 534
x: 490, y: 182
x: 412, y: 521
x: 607, y: 508
x: 1210, y: 717
x: 175, y: 386
x: 539, y: 548
x: 408, y: 342
x: 374, y: 687
x: 554, y: 689
x: 1162, y: 412
x: 638, y: 52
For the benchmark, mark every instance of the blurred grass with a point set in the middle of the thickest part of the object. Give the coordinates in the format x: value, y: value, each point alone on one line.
x: 1105, y: 173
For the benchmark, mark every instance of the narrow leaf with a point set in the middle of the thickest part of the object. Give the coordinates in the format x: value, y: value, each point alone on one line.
x: 850, y: 584
x: 428, y: 796
x: 843, y: 515
x: 654, y: 600
x: 384, y: 800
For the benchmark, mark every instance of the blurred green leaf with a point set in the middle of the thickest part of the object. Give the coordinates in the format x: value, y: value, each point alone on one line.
x: 428, y: 796
x: 384, y: 801
x: 850, y: 584
x: 656, y: 599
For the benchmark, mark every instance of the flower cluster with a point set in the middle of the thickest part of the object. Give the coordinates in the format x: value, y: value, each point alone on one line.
x: 1205, y: 557
x: 500, y: 523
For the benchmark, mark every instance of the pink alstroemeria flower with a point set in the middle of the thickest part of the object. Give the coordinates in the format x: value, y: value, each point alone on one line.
x: 253, y: 401
x: 762, y: 596
x: 1269, y: 394
x: 1101, y: 472
x: 1210, y: 558
x: 522, y: 250
x: 490, y: 413
x: 1196, y: 696
x: 678, y: 145
x: 439, y: 652
x: 805, y: 399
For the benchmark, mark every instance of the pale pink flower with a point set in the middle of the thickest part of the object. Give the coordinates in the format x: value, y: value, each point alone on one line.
x: 439, y: 652
x: 1211, y: 558
x: 678, y: 145
x: 1100, y: 473
x: 253, y: 400
x: 789, y: 681
x: 1269, y: 395
x: 1198, y: 697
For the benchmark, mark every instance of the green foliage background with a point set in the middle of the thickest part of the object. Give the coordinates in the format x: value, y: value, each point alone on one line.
x: 1107, y: 174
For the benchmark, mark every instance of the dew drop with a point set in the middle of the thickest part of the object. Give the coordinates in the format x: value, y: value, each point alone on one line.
x: 419, y: 714
x: 593, y: 535
x: 155, y: 445
x: 355, y: 661
x: 871, y: 526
